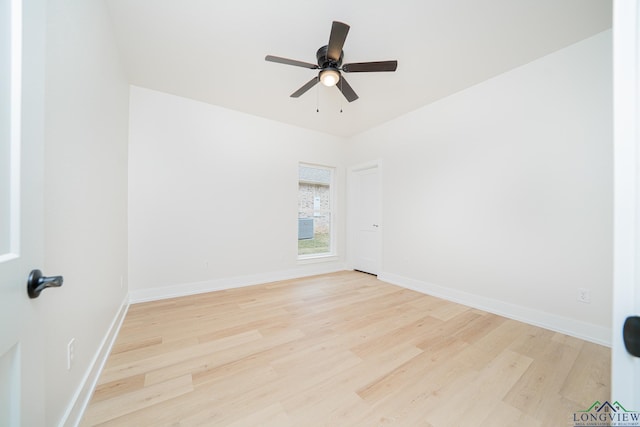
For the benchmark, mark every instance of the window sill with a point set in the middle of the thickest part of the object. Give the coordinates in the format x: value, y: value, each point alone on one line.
x: 312, y: 259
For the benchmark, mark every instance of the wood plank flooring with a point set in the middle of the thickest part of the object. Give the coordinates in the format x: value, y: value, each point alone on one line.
x: 342, y: 349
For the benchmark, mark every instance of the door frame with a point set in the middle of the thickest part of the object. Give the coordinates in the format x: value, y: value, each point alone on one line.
x: 351, y: 220
x: 625, y: 369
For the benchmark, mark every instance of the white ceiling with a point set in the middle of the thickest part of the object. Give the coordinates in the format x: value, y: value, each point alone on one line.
x: 213, y: 50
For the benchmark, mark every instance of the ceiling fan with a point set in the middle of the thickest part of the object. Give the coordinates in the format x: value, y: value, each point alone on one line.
x: 330, y: 64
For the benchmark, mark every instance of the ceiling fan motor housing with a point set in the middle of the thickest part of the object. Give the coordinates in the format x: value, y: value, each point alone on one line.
x: 324, y: 62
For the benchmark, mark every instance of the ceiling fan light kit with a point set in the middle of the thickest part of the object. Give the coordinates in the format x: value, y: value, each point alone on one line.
x: 329, y: 59
x: 329, y: 77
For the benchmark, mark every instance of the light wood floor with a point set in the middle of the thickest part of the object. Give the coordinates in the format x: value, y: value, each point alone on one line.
x: 343, y: 349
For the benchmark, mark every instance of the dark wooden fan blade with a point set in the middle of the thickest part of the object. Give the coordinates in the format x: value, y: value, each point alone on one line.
x: 368, y: 67
x: 339, y: 31
x: 346, y: 89
x: 311, y: 83
x: 287, y: 61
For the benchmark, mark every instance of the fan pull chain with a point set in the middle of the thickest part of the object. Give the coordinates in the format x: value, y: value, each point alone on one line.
x: 317, y: 98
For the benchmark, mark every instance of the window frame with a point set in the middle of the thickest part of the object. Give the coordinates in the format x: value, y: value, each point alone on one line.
x: 332, y: 253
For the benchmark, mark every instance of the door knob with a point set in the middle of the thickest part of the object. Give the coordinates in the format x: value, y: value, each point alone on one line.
x: 37, y: 283
x: 631, y: 335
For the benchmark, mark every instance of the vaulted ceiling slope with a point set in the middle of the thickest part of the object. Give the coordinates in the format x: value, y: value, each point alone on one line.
x: 213, y: 51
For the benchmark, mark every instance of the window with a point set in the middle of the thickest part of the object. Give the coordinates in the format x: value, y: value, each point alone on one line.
x: 315, y: 219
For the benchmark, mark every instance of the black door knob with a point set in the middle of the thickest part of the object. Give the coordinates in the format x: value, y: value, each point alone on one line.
x: 631, y: 335
x: 37, y: 283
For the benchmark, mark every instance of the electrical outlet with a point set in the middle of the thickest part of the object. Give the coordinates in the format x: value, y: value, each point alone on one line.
x: 71, y: 353
x: 584, y: 295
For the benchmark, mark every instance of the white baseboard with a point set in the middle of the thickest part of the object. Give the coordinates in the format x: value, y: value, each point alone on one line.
x: 184, y: 289
x: 586, y: 331
x: 78, y: 404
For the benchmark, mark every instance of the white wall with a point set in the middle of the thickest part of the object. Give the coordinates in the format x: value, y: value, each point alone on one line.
x: 500, y: 196
x: 86, y: 120
x: 213, y: 196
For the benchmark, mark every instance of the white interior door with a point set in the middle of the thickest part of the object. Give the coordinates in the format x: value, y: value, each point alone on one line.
x: 626, y: 296
x: 21, y: 221
x: 365, y: 196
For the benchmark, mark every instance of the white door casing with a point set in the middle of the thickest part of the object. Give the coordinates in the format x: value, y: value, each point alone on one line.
x: 626, y: 295
x: 22, y: 400
x: 366, y: 213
